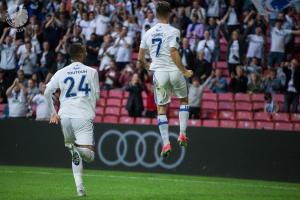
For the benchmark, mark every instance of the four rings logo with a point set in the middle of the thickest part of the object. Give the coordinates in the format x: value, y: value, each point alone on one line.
x: 141, y: 149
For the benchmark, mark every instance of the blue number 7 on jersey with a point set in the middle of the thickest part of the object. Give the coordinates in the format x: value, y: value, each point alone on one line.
x: 157, y: 41
x: 83, y: 87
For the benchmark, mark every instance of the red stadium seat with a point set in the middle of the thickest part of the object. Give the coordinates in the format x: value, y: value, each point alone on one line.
x: 144, y: 95
x: 243, y: 106
x: 296, y: 126
x: 222, y: 65
x: 154, y: 121
x: 209, y: 97
x: 124, y: 111
x: 116, y: 94
x: 262, y: 116
x: 112, y: 111
x: 174, y: 122
x: 173, y: 113
x: 204, y: 114
x: 224, y: 105
x: 194, y: 122
x: 227, y: 124
x: 208, y: 105
x: 227, y: 115
x: 98, y: 119
x: 144, y: 121
x: 113, y: 102
x: 225, y: 97
x: 243, y: 115
x: 110, y: 119
x: 210, y: 123
x: 246, y: 124
x: 258, y: 97
x: 175, y: 103
x: 101, y: 102
x: 103, y: 94
x: 258, y: 106
x: 295, y: 117
x: 124, y: 101
x: 283, y: 126
x: 281, y: 117
x: 126, y: 94
x: 264, y: 125
x: 242, y: 97
x: 279, y: 98
x: 2, y: 107
x: 126, y: 120
x: 99, y: 111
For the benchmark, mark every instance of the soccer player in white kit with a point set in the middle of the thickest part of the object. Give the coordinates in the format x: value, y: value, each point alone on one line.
x: 79, y: 87
x: 162, y: 42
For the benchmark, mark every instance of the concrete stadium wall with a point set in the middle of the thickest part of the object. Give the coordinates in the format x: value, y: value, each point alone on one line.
x: 254, y: 154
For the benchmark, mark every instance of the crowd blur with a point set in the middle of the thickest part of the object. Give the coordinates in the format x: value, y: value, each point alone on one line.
x: 261, y: 56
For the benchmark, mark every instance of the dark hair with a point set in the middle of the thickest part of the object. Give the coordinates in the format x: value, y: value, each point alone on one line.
x: 76, y: 51
x: 163, y: 9
x: 268, y: 96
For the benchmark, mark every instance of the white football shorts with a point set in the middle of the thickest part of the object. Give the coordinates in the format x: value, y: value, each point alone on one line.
x: 168, y: 83
x: 78, y: 131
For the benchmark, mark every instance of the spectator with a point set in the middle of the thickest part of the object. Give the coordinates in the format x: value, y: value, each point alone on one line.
x: 199, y: 11
x: 16, y: 96
x: 21, y: 77
x: 292, y: 87
x: 135, y: 105
x: 195, y: 31
x: 270, y: 105
x: 195, y: 96
x: 213, y: 9
x: 8, y: 62
x: 202, y: 68
x: 271, y: 84
x: 151, y: 109
x: 150, y: 21
x: 232, y: 17
x: 92, y: 49
x: 213, y: 27
x: 102, y: 23
x: 253, y: 68
x: 32, y: 90
x: 278, y: 35
x: 106, y: 53
x: 187, y: 55
x: 28, y: 60
x: 218, y: 84
x: 256, y: 45
x: 111, y: 76
x: 254, y: 84
x: 42, y: 108
x: 45, y: 61
x: 77, y: 36
x: 52, y: 30
x: 238, y: 82
x: 3, y: 87
x: 126, y: 76
x: 207, y: 45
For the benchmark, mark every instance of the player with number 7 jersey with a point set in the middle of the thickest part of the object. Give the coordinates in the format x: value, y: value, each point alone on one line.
x: 79, y: 91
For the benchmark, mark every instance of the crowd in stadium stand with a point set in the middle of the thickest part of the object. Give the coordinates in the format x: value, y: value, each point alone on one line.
x: 259, y: 54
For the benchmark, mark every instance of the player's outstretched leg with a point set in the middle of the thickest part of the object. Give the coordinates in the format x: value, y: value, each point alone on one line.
x: 163, y: 126
x: 77, y: 167
x: 183, y: 121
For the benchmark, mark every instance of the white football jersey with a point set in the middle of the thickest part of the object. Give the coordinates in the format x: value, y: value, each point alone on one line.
x: 159, y: 40
x: 79, y: 86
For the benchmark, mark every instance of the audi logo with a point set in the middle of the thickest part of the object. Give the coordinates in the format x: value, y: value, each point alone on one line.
x: 140, y: 149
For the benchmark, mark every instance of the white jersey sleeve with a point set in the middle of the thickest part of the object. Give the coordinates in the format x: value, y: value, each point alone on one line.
x: 51, y: 87
x: 174, y: 39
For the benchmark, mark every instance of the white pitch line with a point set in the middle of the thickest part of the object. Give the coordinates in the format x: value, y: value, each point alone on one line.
x: 278, y: 187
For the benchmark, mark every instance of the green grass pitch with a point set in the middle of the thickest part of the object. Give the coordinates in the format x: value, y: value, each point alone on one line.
x: 57, y: 184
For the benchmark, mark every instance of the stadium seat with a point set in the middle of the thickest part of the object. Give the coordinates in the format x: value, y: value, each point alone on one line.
x: 258, y: 106
x: 115, y: 94
x: 101, y: 102
x: 222, y: 65
x: 144, y: 121
x: 126, y: 94
x: 154, y: 121
x: 243, y: 106
x: 242, y: 97
x: 194, y: 122
x: 113, y: 102
x: 225, y: 105
x: 227, y: 124
x: 227, y: 115
x: 283, y: 126
x: 112, y: 111
x: 110, y: 119
x: 144, y: 95
x: 296, y: 126
x: 174, y: 122
x: 124, y: 101
x: 262, y: 116
x: 243, y: 115
x: 246, y: 124
x: 98, y: 119
x: 264, y: 125
x: 209, y: 97
x: 295, y: 117
x: 99, y: 111
x: 126, y: 120
x: 103, y: 94
x: 173, y: 113
x: 124, y: 111
x: 175, y: 103
x: 258, y: 97
x: 279, y: 98
x: 225, y: 97
x: 281, y: 117
x: 210, y: 123
x: 208, y: 105
x: 205, y: 114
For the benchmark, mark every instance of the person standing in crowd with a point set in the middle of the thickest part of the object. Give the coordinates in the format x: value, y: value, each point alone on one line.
x: 270, y: 105
x: 187, y: 55
x: 232, y: 17
x: 218, y: 84
x: 17, y: 101
x: 238, y: 82
x: 195, y: 31
x: 207, y: 45
x: 3, y: 87
x: 271, y: 83
x: 28, y: 60
x: 42, y: 108
x: 135, y: 105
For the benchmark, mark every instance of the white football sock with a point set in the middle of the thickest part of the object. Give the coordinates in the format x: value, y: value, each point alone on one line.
x: 183, y: 118
x: 86, y: 154
x: 77, y: 168
x: 163, y: 126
